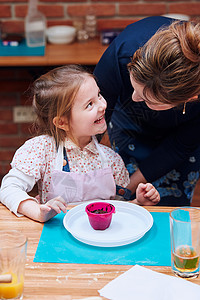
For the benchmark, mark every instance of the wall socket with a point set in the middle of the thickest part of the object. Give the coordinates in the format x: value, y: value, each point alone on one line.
x: 23, y: 114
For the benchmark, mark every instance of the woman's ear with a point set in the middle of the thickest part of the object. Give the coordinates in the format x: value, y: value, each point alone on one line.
x: 61, y: 123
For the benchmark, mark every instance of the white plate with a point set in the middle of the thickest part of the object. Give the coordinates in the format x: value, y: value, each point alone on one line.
x: 129, y: 224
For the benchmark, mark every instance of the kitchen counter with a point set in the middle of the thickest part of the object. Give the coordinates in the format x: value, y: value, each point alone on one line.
x: 87, y: 53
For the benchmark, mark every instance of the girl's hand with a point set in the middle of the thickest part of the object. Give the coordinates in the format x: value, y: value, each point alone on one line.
x: 42, y: 212
x: 146, y: 194
x: 52, y: 208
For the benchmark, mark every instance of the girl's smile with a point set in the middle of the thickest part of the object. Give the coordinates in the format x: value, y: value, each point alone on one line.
x: 100, y: 120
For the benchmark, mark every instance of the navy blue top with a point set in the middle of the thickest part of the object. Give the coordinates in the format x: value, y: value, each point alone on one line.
x: 169, y: 135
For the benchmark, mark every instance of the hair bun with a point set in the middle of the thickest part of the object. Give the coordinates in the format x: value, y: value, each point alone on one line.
x: 188, y: 34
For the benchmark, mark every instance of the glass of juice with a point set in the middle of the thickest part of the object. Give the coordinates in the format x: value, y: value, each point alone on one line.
x: 13, y: 247
x: 185, y: 241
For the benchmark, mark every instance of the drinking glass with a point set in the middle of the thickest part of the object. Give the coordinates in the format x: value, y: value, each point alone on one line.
x: 185, y: 241
x: 13, y: 246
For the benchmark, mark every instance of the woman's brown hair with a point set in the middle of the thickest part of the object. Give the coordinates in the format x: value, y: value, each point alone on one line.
x: 168, y: 65
x: 53, y: 96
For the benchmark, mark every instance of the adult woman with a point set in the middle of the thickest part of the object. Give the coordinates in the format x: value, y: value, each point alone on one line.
x: 153, y: 110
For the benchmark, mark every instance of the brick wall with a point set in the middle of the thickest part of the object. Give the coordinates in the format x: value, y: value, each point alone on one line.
x: 14, y: 91
x: 110, y: 13
x: 15, y: 81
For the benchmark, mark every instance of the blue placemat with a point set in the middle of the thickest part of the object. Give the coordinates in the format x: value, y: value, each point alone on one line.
x: 21, y: 50
x: 57, y: 245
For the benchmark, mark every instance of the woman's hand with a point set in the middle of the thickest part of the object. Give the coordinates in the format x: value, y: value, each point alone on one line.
x: 146, y: 194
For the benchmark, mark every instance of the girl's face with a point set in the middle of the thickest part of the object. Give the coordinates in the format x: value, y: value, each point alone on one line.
x: 87, y: 114
x: 151, y: 102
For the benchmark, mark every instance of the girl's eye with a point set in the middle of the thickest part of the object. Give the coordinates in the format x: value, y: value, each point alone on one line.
x: 89, y: 105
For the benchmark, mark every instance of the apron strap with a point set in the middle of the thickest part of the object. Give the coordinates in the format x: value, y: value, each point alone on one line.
x: 104, y: 161
x: 66, y: 166
x: 124, y: 192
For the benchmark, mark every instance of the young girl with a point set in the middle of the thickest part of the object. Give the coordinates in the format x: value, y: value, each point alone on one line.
x: 65, y: 159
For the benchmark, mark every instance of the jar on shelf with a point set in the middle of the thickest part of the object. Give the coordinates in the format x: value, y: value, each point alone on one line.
x: 91, y: 24
x: 81, y: 33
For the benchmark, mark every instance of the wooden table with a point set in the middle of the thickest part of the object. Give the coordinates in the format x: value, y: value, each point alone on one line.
x: 87, y: 53
x: 54, y: 281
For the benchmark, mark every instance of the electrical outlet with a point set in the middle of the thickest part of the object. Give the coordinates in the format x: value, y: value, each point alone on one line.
x: 23, y: 114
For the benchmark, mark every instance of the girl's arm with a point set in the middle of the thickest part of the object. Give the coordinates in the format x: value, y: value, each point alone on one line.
x: 14, y: 189
x: 29, y: 165
x: 42, y: 212
x: 14, y: 195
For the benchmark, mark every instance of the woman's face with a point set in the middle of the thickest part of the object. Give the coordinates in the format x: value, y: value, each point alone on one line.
x: 151, y: 102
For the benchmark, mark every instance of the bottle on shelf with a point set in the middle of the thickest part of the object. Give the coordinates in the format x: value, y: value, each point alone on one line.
x: 35, y: 26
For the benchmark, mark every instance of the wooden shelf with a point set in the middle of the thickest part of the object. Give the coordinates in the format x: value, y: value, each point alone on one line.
x: 87, y: 53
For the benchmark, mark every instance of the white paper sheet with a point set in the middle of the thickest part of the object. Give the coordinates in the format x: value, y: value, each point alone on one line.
x: 140, y: 283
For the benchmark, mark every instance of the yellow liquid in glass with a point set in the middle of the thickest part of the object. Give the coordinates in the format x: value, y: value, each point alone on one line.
x: 13, y: 289
x: 186, y: 259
